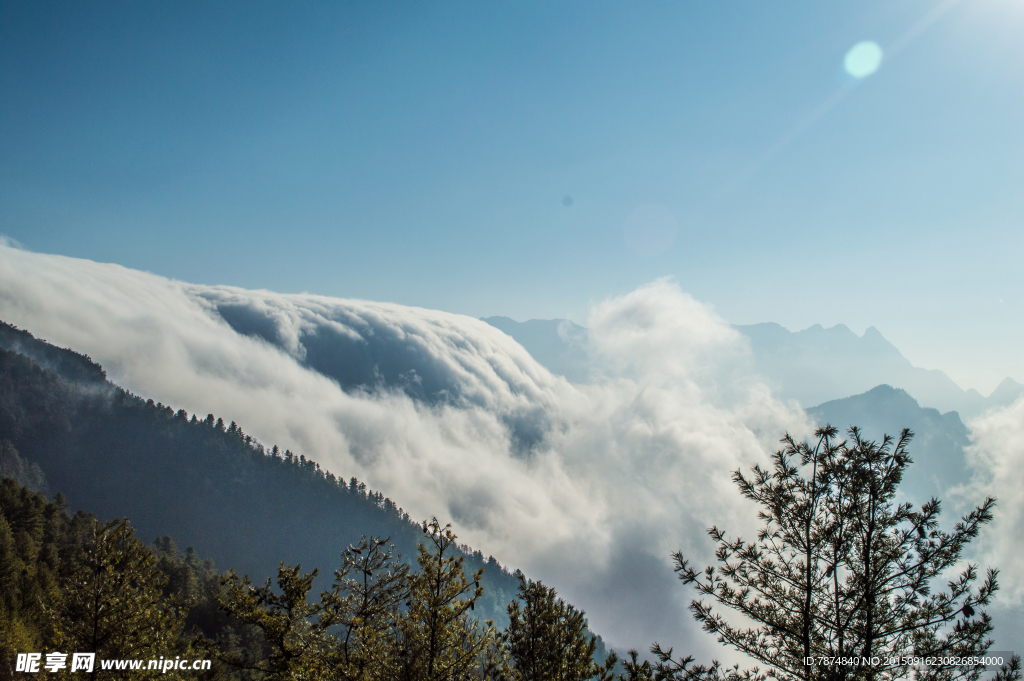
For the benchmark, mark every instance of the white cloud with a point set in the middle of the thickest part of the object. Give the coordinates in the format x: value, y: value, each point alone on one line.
x: 586, y: 487
x: 996, y: 456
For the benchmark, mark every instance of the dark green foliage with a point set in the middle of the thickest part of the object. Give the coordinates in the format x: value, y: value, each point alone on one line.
x: 212, y: 632
x: 840, y: 569
x: 78, y: 585
x: 382, y: 622
x: 73, y: 366
x: 22, y: 472
x: 111, y: 602
x: 547, y: 638
x: 365, y: 607
x: 36, y: 535
x: 70, y: 583
x: 33, y: 403
x: 379, y: 621
x: 440, y: 641
x: 282, y: 617
x: 196, y: 582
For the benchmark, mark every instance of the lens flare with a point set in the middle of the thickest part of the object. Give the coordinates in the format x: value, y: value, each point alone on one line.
x: 863, y: 59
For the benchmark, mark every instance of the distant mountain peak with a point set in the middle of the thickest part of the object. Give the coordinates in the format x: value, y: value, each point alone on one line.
x: 937, y: 448
x: 886, y: 389
x: 1007, y: 392
x: 812, y: 366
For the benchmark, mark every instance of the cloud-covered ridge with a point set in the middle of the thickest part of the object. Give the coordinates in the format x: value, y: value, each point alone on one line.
x: 586, y: 487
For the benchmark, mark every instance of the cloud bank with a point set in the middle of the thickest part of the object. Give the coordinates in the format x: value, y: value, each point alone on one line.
x: 585, y: 487
x: 996, y: 456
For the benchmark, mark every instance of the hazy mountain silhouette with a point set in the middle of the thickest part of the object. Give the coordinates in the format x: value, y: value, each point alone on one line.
x: 558, y: 344
x: 819, y: 364
x: 810, y: 366
x: 811, y: 363
x: 938, y: 445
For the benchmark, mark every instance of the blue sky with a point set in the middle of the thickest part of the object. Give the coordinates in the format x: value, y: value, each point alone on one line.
x: 529, y: 159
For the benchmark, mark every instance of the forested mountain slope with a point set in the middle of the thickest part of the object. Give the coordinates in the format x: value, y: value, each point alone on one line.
x: 198, y: 480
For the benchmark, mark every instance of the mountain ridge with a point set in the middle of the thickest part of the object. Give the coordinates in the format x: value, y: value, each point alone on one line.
x: 812, y: 366
x: 938, y: 445
x: 204, y: 483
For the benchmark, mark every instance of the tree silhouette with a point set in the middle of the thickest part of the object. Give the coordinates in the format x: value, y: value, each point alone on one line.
x: 840, y: 570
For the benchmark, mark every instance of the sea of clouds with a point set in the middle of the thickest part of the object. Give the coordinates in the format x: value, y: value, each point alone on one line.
x: 588, y: 488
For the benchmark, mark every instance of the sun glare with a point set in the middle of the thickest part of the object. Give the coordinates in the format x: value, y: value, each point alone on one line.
x: 863, y: 59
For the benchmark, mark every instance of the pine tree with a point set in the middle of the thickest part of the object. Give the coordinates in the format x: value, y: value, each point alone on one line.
x: 16, y: 630
x: 33, y: 534
x: 112, y: 602
x: 364, y: 609
x: 292, y: 645
x: 439, y: 640
x: 547, y: 638
x: 841, y: 570
x: 378, y: 623
x: 21, y: 471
